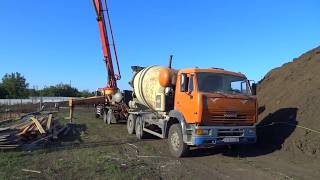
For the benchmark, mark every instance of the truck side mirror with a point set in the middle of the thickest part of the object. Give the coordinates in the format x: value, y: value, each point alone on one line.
x: 254, y: 89
x: 183, y: 83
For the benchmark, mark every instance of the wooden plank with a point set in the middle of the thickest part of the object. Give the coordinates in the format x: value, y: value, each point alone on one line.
x: 9, y: 146
x: 42, y: 121
x: 8, y: 140
x: 5, y: 136
x: 87, y: 101
x: 40, y: 128
x: 62, y: 129
x: 3, y: 140
x: 40, y: 140
x: 8, y: 143
x: 8, y: 133
x: 5, y: 121
x: 4, y: 129
x: 22, y: 125
x: 33, y: 171
x: 49, y: 122
x: 3, y: 148
x: 26, y: 129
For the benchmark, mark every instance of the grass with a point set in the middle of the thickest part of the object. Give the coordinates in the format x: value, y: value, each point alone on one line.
x: 94, y: 154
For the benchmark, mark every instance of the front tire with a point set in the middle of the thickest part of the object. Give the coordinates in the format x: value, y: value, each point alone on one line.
x: 131, y: 123
x: 139, y: 128
x: 175, y: 141
x: 110, y: 117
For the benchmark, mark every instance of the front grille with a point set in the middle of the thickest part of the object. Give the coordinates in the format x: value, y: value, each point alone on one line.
x: 230, y: 117
x: 230, y: 132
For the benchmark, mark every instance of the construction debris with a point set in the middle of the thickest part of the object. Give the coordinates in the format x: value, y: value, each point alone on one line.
x: 33, y: 171
x: 31, y: 131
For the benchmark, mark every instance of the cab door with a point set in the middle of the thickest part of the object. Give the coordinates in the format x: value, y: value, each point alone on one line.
x: 186, y: 98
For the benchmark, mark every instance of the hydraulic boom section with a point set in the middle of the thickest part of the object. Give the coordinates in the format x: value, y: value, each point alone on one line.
x: 102, y: 11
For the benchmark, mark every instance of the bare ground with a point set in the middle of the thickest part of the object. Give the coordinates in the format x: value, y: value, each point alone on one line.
x: 100, y: 151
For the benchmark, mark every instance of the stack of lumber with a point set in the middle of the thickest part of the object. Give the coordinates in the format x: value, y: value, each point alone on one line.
x: 30, y: 131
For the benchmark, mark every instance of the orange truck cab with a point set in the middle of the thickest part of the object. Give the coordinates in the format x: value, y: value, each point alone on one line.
x: 215, y: 107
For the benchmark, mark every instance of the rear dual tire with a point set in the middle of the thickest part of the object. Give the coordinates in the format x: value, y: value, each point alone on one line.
x: 131, y: 122
x: 139, y: 128
x: 108, y: 116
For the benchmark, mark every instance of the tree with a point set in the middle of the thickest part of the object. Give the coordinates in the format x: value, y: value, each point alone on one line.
x: 3, y: 92
x: 33, y: 92
x: 85, y: 93
x: 60, y: 90
x: 15, y: 85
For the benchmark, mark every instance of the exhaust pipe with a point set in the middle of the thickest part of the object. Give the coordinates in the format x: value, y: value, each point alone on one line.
x: 170, y: 61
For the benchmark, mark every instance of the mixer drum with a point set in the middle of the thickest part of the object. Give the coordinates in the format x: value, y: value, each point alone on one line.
x: 148, y: 90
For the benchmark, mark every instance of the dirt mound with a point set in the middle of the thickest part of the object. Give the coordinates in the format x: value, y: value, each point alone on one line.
x: 289, y: 100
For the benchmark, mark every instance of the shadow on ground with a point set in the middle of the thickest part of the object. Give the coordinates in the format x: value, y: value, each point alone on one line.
x: 272, y: 132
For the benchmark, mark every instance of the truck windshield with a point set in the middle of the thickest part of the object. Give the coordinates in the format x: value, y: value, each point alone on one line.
x: 222, y: 83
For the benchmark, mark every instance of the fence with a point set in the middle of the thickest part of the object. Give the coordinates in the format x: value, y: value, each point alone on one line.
x: 11, y: 108
x: 33, y: 100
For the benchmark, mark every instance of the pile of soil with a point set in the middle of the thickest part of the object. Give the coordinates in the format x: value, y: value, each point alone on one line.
x: 289, y: 100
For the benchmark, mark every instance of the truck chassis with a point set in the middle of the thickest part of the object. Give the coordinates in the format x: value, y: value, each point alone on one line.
x: 181, y: 135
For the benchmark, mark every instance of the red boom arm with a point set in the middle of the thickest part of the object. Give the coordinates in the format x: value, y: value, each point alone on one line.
x: 112, y: 77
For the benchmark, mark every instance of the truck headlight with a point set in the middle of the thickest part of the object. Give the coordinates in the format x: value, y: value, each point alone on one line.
x: 202, y: 131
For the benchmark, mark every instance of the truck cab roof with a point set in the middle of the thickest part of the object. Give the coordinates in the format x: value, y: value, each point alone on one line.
x: 211, y: 70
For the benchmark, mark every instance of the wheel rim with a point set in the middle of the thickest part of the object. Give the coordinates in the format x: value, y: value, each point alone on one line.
x: 130, y: 123
x: 109, y: 117
x: 105, y: 117
x: 138, y: 127
x: 175, y: 143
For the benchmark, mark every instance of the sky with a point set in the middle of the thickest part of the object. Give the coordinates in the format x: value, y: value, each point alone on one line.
x: 57, y: 41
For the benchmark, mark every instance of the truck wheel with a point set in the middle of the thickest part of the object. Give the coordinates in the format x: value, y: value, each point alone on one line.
x: 110, y: 117
x: 98, y: 112
x: 105, y: 116
x: 139, y: 128
x: 131, y: 123
x: 175, y: 141
x: 97, y: 116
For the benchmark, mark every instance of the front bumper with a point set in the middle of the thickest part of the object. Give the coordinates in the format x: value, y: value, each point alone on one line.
x: 224, y: 135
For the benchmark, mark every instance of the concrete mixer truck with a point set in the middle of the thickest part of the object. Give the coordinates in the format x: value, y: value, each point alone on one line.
x: 192, y: 107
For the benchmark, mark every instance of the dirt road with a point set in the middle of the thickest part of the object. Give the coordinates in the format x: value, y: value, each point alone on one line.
x: 240, y: 162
